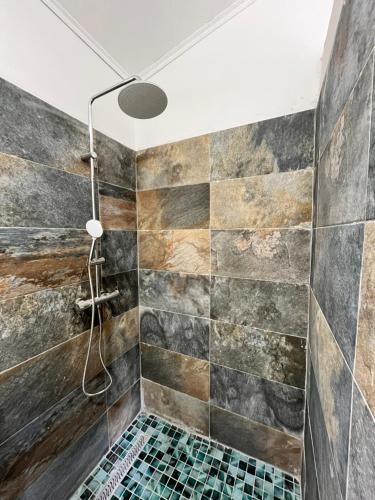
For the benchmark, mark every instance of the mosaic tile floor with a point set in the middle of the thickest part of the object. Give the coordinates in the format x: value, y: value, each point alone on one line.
x: 176, y: 464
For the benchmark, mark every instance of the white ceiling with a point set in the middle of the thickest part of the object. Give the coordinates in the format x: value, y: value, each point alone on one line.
x: 138, y: 33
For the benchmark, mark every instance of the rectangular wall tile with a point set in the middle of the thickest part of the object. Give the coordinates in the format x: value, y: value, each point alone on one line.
x: 33, y: 195
x: 25, y: 456
x: 120, y: 333
x: 176, y: 406
x: 176, y: 332
x: 329, y: 485
x: 123, y: 412
x: 182, y: 162
x: 33, y: 259
x: 272, y: 356
x: 256, y: 440
x: 275, y: 255
x: 72, y: 466
x: 36, y: 322
x: 334, y: 383
x: 365, y: 354
x: 279, y: 307
x: 54, y: 373
x: 275, y: 405
x: 370, y: 209
x: 311, y: 481
x: 344, y: 164
x: 117, y: 207
x: 116, y: 162
x: 361, y: 480
x: 267, y: 201
x: 353, y: 43
x: 179, y: 372
x: 185, y: 207
x: 186, y: 250
x: 276, y: 145
x: 127, y: 284
x: 119, y: 248
x: 125, y: 371
x: 336, y: 277
x: 177, y: 292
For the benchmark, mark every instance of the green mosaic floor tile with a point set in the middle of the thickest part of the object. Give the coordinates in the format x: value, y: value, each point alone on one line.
x: 175, y: 464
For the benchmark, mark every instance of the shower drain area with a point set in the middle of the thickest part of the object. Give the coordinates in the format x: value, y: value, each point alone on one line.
x: 154, y: 459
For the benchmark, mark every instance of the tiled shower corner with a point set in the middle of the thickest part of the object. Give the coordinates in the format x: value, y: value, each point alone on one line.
x: 175, y: 463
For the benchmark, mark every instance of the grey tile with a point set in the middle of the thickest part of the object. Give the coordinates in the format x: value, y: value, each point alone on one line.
x: 361, y: 480
x: 26, y: 456
x: 256, y: 440
x: 279, y: 307
x: 334, y: 383
x: 125, y: 371
x: 34, y: 259
x: 311, y: 481
x: 127, y: 284
x: 35, y: 130
x: 119, y: 248
x: 30, y: 388
x: 176, y: 406
x: 184, y: 207
x: 177, y: 371
x: 370, y: 209
x: 329, y: 485
x: 33, y: 195
x: 336, y: 277
x: 71, y: 467
x: 269, y: 403
x: 344, y: 164
x: 184, y: 334
x: 123, y: 411
x: 353, y: 43
x: 176, y: 292
x: 178, y: 163
x: 275, y: 255
x: 116, y: 162
x: 276, y: 145
x: 36, y: 322
x: 269, y: 355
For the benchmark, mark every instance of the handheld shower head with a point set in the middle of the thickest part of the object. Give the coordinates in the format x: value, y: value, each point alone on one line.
x: 142, y: 100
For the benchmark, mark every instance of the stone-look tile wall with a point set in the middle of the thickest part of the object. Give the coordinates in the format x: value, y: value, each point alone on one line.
x: 51, y: 435
x: 224, y: 236
x: 340, y: 418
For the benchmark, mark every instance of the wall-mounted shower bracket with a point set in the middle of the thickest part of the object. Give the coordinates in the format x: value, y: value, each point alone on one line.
x: 88, y: 156
x: 104, y: 297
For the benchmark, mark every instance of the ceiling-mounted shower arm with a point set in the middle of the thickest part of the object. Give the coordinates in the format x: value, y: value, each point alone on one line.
x: 91, y: 155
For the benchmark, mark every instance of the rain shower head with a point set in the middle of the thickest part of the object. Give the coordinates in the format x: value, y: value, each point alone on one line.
x: 142, y: 100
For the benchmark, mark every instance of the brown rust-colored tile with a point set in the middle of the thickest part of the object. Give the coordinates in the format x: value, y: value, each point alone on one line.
x: 365, y: 354
x: 257, y: 440
x: 120, y: 334
x: 33, y: 259
x: 266, y: 201
x: 185, y: 250
x: 178, y: 163
x: 279, y: 255
x: 184, y: 207
x: 117, y: 207
x: 123, y: 412
x: 179, y: 372
x: 176, y: 406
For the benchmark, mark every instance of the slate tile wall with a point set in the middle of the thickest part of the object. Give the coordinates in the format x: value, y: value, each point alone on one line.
x: 340, y: 449
x: 224, y: 230
x: 51, y: 435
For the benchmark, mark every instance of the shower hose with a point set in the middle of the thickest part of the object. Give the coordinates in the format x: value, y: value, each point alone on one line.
x: 93, y: 306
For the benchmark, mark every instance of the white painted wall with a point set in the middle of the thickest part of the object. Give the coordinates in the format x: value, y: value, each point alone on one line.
x: 42, y: 56
x: 263, y: 63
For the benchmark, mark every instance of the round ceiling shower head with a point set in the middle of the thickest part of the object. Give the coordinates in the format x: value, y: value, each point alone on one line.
x: 142, y: 100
